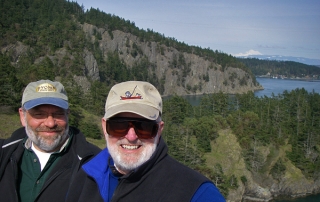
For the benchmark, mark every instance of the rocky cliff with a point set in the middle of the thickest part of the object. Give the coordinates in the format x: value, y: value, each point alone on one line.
x: 165, y: 59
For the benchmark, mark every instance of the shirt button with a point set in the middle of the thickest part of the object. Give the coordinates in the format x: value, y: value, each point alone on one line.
x: 38, y: 181
x: 34, y: 160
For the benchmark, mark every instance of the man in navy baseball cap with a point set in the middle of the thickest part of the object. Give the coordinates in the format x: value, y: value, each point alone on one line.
x: 41, y: 161
x: 44, y: 92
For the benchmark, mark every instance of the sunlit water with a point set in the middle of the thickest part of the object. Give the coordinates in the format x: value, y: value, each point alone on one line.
x: 275, y: 86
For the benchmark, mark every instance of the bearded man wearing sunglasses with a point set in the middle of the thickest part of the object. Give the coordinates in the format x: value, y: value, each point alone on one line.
x: 135, y: 165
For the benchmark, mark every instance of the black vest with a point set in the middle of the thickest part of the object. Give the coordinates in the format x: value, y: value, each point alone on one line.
x: 162, y: 178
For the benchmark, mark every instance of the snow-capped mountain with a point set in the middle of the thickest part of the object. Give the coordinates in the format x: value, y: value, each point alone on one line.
x: 307, y: 61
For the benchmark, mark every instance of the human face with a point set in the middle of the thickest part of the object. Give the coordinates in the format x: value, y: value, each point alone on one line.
x: 129, y: 152
x: 46, y: 126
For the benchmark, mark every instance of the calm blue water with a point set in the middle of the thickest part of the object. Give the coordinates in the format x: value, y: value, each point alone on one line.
x: 277, y: 86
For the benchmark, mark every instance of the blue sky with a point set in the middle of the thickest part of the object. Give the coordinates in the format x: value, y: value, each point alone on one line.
x: 268, y: 27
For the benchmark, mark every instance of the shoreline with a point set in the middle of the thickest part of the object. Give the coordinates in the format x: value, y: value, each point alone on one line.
x: 293, y: 79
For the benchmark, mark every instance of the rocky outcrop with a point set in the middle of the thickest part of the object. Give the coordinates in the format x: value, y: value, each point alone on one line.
x: 91, y: 66
x: 15, y: 51
x: 257, y: 193
x: 227, y: 80
x: 259, y: 186
x: 294, y: 187
x: 287, y: 188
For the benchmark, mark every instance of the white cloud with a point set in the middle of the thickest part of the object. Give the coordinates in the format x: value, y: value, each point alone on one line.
x: 250, y: 52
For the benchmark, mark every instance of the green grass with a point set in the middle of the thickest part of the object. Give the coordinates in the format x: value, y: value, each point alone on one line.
x: 90, y: 118
x: 100, y: 143
x: 8, y: 124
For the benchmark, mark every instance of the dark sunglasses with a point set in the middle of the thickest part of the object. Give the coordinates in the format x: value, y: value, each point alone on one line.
x: 144, y: 129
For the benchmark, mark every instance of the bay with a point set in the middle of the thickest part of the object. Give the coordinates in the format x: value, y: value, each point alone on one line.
x: 275, y: 86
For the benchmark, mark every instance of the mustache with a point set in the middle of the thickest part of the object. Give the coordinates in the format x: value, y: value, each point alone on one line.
x: 46, y: 129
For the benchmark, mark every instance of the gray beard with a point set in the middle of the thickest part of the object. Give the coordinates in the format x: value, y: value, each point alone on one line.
x: 42, y: 142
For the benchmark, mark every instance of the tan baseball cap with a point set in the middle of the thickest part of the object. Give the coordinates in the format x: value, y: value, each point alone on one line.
x: 137, y: 97
x: 44, y: 92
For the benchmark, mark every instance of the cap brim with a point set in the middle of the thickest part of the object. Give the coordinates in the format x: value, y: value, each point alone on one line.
x: 143, y: 110
x: 46, y: 100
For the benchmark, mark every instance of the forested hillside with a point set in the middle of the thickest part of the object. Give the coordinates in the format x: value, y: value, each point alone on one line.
x: 288, y: 69
x: 277, y: 142
x: 250, y: 147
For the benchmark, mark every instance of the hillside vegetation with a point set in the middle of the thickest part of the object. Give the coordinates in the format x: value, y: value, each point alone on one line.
x: 252, y: 148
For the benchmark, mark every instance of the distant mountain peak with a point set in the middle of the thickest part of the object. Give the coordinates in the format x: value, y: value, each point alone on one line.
x: 303, y: 60
x: 248, y: 53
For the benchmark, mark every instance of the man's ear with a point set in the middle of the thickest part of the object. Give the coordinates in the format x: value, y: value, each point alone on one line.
x: 104, y: 127
x: 22, y: 119
x: 161, y: 126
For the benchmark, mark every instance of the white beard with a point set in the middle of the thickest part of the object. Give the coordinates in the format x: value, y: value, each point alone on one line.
x: 128, y: 162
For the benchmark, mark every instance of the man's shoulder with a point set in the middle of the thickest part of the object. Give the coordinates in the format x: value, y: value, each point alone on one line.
x: 16, y: 137
x: 10, y: 145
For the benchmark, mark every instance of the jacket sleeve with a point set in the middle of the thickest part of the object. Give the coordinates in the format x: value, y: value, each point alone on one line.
x: 207, y: 192
x: 8, y: 146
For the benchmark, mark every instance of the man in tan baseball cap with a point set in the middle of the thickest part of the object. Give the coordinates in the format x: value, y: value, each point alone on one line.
x: 135, y: 165
x: 140, y: 98
x: 46, y: 153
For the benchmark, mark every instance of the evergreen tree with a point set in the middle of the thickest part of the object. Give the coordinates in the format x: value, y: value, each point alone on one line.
x: 11, y: 88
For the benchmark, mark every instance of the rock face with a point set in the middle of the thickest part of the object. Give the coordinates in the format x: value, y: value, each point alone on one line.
x: 287, y: 187
x: 197, y: 67
x: 16, y: 50
x: 91, y: 66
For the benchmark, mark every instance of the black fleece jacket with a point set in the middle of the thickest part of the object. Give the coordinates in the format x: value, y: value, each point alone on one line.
x: 66, y: 175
